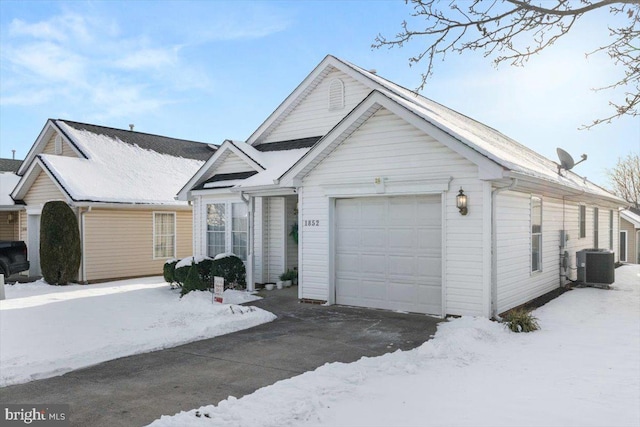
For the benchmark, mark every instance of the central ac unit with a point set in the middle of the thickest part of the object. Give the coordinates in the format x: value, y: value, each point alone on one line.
x: 596, y: 266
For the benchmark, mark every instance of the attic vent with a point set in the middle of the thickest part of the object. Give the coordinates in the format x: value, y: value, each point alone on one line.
x: 336, y: 95
x: 57, y: 146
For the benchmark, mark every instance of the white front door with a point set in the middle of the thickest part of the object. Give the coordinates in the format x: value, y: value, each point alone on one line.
x: 33, y: 244
x: 389, y: 253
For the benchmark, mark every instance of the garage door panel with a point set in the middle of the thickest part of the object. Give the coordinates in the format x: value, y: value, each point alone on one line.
x: 372, y: 264
x: 429, y: 267
x: 402, y: 265
x: 348, y: 263
x: 402, y: 238
x: 395, y: 263
x: 372, y: 239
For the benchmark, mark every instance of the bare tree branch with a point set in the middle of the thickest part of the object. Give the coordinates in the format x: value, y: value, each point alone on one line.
x: 625, y: 179
x: 512, y: 31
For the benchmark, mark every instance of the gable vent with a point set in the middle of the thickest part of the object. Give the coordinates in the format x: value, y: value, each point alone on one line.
x: 57, y: 146
x: 336, y: 95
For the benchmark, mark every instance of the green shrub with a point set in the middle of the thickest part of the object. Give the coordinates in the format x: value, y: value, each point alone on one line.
x: 232, y: 269
x: 521, y: 320
x: 193, y: 282
x: 180, y: 274
x: 60, y: 250
x: 169, y: 270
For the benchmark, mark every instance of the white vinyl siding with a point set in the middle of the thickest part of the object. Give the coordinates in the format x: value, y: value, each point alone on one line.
x: 387, y: 146
x: 516, y: 284
x: 611, y: 230
x: 311, y: 117
x: 164, y: 235
x: 232, y: 164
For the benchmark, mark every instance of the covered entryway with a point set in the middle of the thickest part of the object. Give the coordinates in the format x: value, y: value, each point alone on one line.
x: 389, y: 253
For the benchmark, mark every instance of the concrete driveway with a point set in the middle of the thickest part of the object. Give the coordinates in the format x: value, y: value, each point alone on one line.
x: 135, y: 390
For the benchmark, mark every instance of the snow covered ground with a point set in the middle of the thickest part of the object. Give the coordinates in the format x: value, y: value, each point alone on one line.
x: 581, y: 369
x: 49, y: 330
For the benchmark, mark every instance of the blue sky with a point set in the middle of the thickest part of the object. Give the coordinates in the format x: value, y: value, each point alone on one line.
x: 208, y: 71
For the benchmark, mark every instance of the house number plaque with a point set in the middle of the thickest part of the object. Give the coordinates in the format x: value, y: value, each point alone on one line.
x: 311, y: 222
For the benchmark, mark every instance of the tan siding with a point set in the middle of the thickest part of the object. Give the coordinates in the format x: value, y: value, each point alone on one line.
x: 22, y: 233
x: 42, y: 191
x: 49, y: 148
x: 119, y: 243
x: 312, y: 116
x: 10, y: 230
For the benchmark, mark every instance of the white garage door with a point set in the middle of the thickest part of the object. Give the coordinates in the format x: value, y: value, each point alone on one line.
x: 388, y: 253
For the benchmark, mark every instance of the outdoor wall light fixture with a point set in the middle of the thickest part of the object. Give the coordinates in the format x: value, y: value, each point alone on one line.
x: 461, y: 202
x: 10, y: 218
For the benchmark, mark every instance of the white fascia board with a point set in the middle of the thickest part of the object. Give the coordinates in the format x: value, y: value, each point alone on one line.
x: 630, y: 217
x: 361, y: 113
x: 210, y: 165
x: 211, y: 191
x: 548, y: 187
x: 37, y: 147
x: 144, y: 206
x: 265, y: 190
x: 30, y: 176
x: 293, y: 99
x: 46, y: 133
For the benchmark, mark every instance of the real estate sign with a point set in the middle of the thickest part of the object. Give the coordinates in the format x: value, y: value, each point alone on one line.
x: 218, y: 288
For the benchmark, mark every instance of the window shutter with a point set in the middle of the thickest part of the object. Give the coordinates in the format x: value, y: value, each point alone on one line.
x: 336, y: 95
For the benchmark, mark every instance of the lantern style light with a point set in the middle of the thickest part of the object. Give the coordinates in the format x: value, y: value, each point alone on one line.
x: 461, y: 202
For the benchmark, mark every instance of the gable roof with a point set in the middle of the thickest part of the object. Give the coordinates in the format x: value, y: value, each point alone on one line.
x: 516, y: 159
x: 10, y: 165
x: 631, y: 216
x: 113, y: 167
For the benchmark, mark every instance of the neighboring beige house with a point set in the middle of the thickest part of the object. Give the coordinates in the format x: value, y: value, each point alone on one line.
x: 121, y: 185
x: 9, y: 210
x: 372, y: 174
x: 630, y: 236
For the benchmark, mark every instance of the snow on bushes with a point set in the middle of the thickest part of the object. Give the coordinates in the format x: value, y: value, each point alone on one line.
x: 228, y: 266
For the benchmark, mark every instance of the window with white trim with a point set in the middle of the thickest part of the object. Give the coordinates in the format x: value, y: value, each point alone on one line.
x: 220, y: 237
x: 536, y: 234
x: 164, y: 234
x: 582, y: 220
x: 216, y: 229
x: 596, y: 227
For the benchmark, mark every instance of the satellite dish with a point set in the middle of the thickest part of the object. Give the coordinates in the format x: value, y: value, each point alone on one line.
x: 566, y: 161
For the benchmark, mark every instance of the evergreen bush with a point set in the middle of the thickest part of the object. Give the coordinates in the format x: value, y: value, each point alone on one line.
x: 60, y: 250
x: 232, y: 269
x: 193, y: 282
x: 169, y: 271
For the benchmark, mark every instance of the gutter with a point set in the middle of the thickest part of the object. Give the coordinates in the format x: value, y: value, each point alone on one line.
x: 494, y: 248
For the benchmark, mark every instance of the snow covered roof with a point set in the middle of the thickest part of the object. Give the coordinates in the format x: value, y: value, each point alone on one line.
x: 8, y: 181
x: 631, y: 216
x: 113, y: 170
x: 487, y: 141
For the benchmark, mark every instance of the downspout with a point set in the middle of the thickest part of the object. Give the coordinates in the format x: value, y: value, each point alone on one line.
x: 250, y: 261
x: 83, y: 278
x: 494, y: 248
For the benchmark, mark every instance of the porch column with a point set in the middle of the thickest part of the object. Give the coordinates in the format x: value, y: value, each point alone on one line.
x: 250, y: 249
